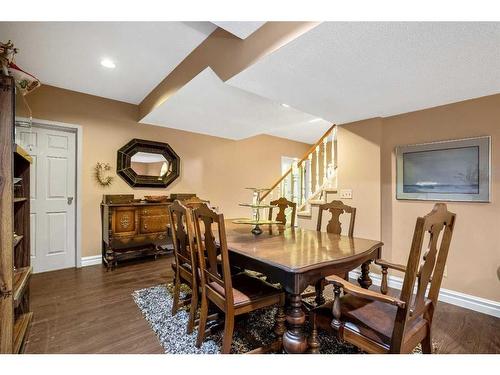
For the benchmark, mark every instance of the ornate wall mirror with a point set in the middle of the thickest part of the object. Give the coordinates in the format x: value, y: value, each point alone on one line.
x: 148, y: 163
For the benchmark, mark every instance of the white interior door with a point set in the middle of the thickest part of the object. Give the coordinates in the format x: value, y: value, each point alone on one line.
x: 52, y: 188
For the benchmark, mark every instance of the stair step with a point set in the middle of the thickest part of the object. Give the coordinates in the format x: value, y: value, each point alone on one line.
x: 304, y: 214
x: 330, y: 190
x: 317, y: 201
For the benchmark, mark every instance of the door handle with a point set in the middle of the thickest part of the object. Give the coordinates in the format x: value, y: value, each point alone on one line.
x: 70, y: 200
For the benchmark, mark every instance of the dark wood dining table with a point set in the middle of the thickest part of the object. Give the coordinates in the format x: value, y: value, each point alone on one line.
x: 297, y: 258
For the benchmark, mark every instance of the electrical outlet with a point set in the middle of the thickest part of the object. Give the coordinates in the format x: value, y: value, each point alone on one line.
x: 346, y: 194
x: 445, y: 272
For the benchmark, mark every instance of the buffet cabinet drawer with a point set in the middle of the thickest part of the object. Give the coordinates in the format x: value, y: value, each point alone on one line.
x: 154, y: 211
x: 153, y: 224
x: 123, y: 221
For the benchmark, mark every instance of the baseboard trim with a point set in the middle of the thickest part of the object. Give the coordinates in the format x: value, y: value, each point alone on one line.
x: 91, y: 260
x: 467, y: 301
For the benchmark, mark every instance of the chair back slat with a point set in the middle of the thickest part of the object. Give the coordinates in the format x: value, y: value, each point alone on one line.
x: 336, y: 208
x: 194, y: 202
x: 182, y: 234
x: 282, y: 204
x: 424, y: 268
x: 213, y: 255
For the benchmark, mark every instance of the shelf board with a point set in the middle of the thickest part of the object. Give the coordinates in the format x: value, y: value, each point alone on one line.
x: 21, y: 328
x: 17, y: 200
x: 17, y: 240
x: 21, y: 278
x: 23, y: 153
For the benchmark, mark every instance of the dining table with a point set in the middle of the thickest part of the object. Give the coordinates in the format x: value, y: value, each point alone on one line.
x: 296, y: 258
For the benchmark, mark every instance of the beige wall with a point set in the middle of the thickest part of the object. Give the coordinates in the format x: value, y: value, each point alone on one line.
x: 475, y: 250
x: 359, y: 170
x: 215, y: 168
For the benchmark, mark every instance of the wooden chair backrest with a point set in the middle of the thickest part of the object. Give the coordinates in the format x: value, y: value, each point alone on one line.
x: 194, y: 202
x: 439, y: 224
x: 209, y: 249
x: 282, y: 204
x: 336, y: 208
x: 182, y: 234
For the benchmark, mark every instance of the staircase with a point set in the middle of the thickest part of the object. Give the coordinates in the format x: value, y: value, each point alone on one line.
x: 311, y: 179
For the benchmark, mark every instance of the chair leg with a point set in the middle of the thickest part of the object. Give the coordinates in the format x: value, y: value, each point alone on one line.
x: 177, y: 292
x: 227, y: 339
x: 193, y: 308
x: 313, y: 339
x: 279, y: 326
x: 203, y: 320
x: 319, y: 287
x: 427, y: 344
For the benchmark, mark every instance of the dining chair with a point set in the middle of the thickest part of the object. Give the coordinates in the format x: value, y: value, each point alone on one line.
x: 380, y: 323
x: 282, y: 204
x: 194, y: 202
x: 336, y: 209
x: 232, y: 294
x: 185, y: 266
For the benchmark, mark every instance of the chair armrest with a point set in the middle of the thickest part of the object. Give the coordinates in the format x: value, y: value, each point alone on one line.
x: 364, y: 293
x: 386, y: 264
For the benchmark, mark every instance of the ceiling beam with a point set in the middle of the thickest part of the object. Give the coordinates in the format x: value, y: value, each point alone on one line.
x: 227, y: 55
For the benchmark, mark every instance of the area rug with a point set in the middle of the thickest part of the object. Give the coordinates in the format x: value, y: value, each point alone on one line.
x: 253, y: 331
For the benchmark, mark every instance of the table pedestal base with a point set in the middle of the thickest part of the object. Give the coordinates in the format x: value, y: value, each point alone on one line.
x: 294, y: 340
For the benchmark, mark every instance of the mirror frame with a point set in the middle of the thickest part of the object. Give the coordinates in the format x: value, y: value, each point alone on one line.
x: 124, y: 161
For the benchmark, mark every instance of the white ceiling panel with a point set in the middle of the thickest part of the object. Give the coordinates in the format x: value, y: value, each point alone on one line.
x: 346, y: 71
x: 68, y: 54
x: 207, y: 105
x: 242, y: 29
x: 307, y: 132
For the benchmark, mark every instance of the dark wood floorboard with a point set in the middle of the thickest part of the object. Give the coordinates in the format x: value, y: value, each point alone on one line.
x: 89, y: 310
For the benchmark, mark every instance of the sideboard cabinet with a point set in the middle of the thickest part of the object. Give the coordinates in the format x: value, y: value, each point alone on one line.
x: 132, y: 229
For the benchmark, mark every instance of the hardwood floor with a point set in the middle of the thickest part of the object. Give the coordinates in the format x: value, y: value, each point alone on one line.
x: 89, y: 310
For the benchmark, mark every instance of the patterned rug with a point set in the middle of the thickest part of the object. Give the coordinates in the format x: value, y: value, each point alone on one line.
x: 253, y: 331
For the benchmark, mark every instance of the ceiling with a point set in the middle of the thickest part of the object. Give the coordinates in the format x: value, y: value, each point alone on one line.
x: 347, y: 71
x: 207, y: 105
x: 242, y: 29
x: 68, y: 54
x: 338, y: 71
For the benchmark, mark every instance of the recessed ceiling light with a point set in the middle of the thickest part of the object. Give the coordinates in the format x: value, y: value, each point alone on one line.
x: 107, y: 63
x: 285, y: 105
x: 315, y: 120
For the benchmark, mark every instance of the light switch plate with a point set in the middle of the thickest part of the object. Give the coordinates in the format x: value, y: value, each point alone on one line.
x: 346, y: 194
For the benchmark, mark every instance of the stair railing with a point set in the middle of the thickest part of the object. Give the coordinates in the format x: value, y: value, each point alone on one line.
x: 306, y: 179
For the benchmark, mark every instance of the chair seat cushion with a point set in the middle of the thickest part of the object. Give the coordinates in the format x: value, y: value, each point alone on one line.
x: 372, y: 319
x: 247, y: 288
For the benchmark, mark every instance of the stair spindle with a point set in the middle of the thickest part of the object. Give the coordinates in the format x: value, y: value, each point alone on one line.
x: 334, y: 144
x: 309, y: 181
x: 302, y: 183
x: 293, y: 178
x: 317, y: 168
x: 325, y: 162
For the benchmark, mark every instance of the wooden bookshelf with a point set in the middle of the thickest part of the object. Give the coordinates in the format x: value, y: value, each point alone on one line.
x: 16, y: 241
x: 18, y: 150
x: 21, y: 280
x: 15, y: 267
x: 21, y: 329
